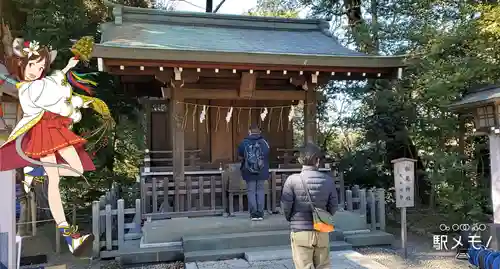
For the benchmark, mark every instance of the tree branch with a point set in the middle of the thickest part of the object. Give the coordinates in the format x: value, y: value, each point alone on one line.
x: 219, y: 6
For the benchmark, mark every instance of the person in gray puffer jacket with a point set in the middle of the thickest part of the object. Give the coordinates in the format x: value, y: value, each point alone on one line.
x: 310, y: 249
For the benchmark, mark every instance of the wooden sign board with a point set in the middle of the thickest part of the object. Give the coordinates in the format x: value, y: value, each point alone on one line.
x: 404, y: 182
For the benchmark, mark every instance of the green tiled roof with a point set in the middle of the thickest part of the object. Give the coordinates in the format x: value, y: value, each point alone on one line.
x: 149, y: 34
x: 221, y: 33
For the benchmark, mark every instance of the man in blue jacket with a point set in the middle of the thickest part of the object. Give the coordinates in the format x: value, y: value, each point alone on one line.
x: 254, y: 154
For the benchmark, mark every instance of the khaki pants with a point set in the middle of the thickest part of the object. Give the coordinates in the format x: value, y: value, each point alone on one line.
x: 310, y: 250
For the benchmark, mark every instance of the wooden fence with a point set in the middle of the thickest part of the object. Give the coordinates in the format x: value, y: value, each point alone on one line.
x: 210, y: 192
x: 113, y: 224
x: 370, y: 203
x: 273, y: 188
x: 200, y: 194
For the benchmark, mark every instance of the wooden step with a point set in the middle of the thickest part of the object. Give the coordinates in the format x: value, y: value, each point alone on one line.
x: 62, y: 266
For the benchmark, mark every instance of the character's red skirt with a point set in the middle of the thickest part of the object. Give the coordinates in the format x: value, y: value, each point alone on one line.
x: 49, y: 135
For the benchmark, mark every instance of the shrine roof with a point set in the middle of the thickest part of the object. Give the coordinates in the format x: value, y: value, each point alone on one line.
x: 150, y: 34
x: 478, y: 97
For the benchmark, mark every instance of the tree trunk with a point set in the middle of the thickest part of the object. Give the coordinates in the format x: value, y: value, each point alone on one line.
x: 209, y: 6
x: 358, y: 26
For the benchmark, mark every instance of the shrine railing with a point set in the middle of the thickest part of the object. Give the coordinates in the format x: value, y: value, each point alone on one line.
x: 209, y: 192
x: 215, y: 192
x: 200, y: 194
x: 237, y: 189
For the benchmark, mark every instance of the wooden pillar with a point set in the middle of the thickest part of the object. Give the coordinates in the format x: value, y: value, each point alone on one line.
x: 177, y: 131
x: 310, y: 110
x: 147, y: 109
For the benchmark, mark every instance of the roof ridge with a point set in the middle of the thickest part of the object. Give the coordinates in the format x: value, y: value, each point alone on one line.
x: 212, y: 25
x: 148, y: 14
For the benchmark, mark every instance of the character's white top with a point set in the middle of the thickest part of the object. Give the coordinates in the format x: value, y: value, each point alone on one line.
x: 51, y: 93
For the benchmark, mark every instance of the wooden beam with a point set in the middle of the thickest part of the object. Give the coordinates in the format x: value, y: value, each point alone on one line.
x: 298, y: 81
x: 231, y: 86
x: 191, y: 75
x: 133, y: 70
x: 385, y: 72
x: 247, y: 85
x: 201, y: 73
x: 222, y: 73
x: 164, y: 77
x: 137, y: 79
x: 285, y: 95
x: 237, y: 73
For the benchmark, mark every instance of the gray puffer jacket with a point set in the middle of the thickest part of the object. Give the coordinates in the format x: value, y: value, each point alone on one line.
x: 294, y: 200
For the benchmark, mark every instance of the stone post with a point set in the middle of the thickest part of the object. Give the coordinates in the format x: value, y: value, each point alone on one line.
x: 8, y: 248
x: 495, y: 189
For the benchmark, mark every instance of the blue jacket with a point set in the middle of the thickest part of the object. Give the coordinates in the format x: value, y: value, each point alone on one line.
x: 264, y: 175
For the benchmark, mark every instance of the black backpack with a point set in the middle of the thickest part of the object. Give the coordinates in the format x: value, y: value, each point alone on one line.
x: 254, y: 156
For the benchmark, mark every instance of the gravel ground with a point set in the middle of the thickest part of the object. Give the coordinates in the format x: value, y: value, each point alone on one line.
x: 421, y: 255
x: 175, y: 265
x: 394, y: 259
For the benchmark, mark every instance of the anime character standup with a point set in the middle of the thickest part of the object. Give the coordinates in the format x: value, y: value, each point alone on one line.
x: 43, y: 137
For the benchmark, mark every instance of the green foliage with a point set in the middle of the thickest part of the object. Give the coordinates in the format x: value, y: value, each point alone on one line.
x: 275, y: 8
x: 54, y: 22
x: 451, y: 46
x: 458, y: 187
x: 281, y: 13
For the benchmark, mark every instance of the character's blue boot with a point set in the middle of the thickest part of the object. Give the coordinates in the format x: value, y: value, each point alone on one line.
x: 77, y: 243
